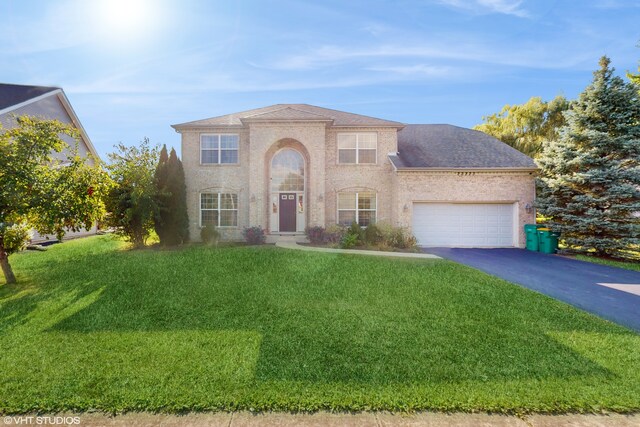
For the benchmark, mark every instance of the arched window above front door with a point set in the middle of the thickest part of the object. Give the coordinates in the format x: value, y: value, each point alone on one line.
x: 287, y: 171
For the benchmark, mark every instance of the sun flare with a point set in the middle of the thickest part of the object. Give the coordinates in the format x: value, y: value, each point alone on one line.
x: 130, y: 21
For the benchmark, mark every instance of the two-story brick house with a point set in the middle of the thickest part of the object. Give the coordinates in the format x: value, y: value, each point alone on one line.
x: 287, y: 166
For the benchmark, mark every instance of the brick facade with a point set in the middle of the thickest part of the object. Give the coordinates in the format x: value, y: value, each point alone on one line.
x: 396, y: 190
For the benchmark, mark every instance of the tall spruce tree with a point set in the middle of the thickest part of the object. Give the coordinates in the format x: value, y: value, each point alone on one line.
x: 589, y: 184
x: 161, y: 179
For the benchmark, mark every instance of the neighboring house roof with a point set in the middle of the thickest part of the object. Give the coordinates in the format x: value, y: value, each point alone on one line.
x: 292, y: 112
x: 452, y: 147
x: 23, y: 97
x: 11, y: 96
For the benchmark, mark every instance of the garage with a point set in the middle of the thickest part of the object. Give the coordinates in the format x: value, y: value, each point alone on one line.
x: 464, y: 224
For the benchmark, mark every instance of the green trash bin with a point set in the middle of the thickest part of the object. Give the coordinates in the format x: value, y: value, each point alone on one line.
x: 533, y: 240
x: 548, y: 241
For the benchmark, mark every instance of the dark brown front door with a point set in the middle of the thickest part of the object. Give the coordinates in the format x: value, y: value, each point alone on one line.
x: 287, y: 212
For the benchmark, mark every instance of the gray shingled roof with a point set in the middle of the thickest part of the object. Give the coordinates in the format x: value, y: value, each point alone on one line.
x: 447, y: 146
x: 11, y: 95
x: 287, y: 113
x: 293, y: 112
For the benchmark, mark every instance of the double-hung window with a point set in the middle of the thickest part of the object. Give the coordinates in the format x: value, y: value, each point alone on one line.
x: 219, y: 209
x: 357, y: 207
x: 357, y: 148
x: 218, y: 149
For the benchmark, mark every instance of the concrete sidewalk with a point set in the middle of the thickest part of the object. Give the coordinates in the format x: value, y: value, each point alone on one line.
x: 363, y: 419
x: 289, y: 244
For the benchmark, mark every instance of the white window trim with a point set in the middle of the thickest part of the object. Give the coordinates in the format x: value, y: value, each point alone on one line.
x: 218, y: 210
x: 356, y: 134
x: 219, y: 163
x: 357, y: 193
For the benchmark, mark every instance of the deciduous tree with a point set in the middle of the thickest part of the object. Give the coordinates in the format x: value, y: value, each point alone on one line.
x: 41, y: 191
x: 132, y: 200
x: 525, y: 126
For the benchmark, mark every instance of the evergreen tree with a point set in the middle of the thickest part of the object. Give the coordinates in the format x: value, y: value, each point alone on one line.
x: 178, y: 219
x: 171, y: 221
x: 589, y: 184
x: 161, y: 179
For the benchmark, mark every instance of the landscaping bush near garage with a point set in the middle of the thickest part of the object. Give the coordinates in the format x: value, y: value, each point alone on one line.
x: 382, y: 237
x: 94, y: 325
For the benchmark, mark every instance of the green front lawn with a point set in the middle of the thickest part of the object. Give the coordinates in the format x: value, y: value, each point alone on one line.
x: 94, y: 325
x: 629, y: 265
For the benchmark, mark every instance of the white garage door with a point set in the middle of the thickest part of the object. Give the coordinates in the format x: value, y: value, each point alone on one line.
x: 462, y: 224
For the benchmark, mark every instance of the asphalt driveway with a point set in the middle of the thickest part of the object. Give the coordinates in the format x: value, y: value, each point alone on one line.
x: 609, y: 292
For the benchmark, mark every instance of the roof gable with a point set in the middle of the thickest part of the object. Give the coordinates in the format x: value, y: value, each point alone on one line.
x: 14, y: 95
x: 44, y: 102
x: 295, y: 112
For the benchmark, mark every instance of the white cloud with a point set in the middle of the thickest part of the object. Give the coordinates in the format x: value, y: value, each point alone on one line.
x: 417, y: 70
x: 505, y: 7
x: 533, y: 55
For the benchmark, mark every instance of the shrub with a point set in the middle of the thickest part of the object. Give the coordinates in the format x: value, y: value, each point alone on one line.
x: 334, y: 234
x: 372, y: 235
x: 254, y: 235
x: 209, y: 235
x: 357, y: 231
x: 396, y: 237
x: 315, y: 234
x: 410, y: 241
x: 349, y: 241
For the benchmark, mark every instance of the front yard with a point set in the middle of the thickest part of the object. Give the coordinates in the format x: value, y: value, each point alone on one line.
x: 94, y: 325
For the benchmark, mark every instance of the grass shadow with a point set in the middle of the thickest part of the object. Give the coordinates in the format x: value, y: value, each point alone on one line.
x: 328, y: 318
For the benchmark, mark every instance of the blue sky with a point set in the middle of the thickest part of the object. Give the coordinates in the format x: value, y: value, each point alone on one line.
x: 131, y: 68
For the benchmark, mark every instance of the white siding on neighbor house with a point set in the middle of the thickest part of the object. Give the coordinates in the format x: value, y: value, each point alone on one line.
x: 464, y: 224
x: 49, y: 108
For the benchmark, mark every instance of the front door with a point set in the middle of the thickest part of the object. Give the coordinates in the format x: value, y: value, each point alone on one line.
x: 288, y: 212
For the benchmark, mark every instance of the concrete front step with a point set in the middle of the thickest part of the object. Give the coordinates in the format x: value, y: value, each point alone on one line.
x: 286, y: 238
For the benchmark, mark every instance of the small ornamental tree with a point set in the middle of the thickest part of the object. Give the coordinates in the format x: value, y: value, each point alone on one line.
x: 41, y: 191
x: 171, y: 221
x: 589, y: 186
x: 131, y: 202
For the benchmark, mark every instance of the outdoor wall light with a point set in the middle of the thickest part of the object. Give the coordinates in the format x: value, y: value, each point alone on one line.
x: 321, y: 198
x: 252, y: 199
x: 528, y: 208
x: 405, y: 208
